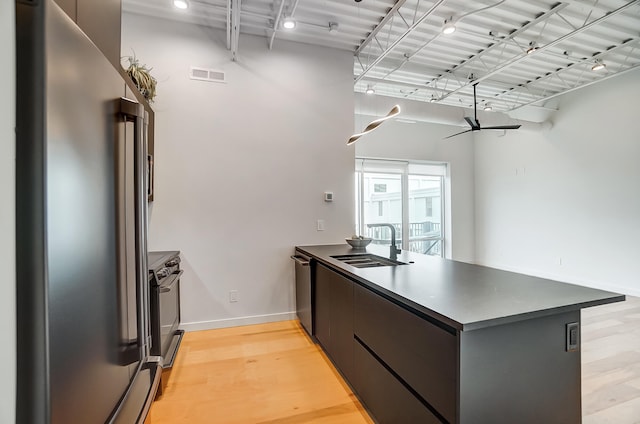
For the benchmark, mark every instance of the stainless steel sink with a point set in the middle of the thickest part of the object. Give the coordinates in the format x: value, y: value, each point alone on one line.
x: 367, y: 260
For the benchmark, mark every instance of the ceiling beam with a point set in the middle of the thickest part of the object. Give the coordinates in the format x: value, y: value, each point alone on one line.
x: 632, y: 68
x: 393, y: 45
x: 235, y: 28
x: 276, y: 24
x: 559, y: 40
x: 380, y: 25
x: 228, y: 24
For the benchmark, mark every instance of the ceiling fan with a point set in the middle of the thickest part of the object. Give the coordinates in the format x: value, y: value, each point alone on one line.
x: 475, y: 124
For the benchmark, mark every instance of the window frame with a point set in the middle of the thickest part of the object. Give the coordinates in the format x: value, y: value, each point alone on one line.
x: 405, y: 169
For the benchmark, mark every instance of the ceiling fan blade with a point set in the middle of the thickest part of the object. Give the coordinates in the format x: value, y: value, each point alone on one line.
x: 453, y: 135
x: 473, y: 123
x: 503, y: 127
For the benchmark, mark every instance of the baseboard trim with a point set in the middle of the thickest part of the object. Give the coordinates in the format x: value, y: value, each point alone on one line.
x: 236, y: 322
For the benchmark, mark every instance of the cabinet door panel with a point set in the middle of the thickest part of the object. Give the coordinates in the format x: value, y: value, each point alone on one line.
x: 384, y: 396
x: 342, y: 323
x: 422, y: 354
x: 322, y: 308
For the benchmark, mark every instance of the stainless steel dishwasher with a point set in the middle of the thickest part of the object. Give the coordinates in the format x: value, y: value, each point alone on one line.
x: 304, y: 290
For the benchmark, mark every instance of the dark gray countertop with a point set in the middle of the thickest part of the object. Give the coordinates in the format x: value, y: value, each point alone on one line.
x: 462, y: 295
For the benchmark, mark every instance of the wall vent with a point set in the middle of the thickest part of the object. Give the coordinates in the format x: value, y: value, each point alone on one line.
x: 203, y: 74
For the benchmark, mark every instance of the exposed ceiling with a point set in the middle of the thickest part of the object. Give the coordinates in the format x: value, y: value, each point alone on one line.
x: 400, y: 51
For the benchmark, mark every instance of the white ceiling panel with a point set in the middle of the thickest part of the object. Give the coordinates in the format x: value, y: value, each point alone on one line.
x: 400, y: 51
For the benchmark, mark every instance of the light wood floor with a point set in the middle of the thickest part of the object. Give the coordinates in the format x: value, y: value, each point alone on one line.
x: 274, y: 374
x: 611, y: 363
x: 267, y: 374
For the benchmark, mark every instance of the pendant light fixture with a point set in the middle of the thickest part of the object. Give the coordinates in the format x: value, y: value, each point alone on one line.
x: 374, y: 124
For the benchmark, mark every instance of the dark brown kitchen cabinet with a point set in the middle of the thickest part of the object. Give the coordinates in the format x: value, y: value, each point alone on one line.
x: 423, y: 354
x: 101, y: 21
x: 322, y: 308
x: 389, y: 401
x: 334, y: 317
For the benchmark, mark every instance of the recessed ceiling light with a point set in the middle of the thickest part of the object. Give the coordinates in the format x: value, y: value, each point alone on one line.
x: 449, y: 27
x: 598, y: 66
x: 289, y: 23
x: 181, y: 4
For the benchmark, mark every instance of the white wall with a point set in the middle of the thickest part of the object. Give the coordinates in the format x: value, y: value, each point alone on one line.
x: 241, y: 167
x: 424, y: 141
x: 7, y: 214
x: 565, y: 203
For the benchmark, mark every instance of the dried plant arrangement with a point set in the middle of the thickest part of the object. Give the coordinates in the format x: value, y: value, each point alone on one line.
x: 142, y: 78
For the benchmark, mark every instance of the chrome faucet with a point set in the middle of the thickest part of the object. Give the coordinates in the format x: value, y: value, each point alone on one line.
x: 393, y: 250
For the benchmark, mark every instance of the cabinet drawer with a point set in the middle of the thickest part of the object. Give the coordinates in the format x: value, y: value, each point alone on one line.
x: 384, y: 396
x: 421, y: 353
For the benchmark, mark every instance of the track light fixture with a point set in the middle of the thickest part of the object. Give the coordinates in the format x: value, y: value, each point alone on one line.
x: 181, y: 4
x: 533, y: 46
x: 370, y: 90
x: 598, y: 65
x: 433, y: 98
x: 333, y: 27
x: 488, y: 107
x: 449, y: 27
x: 288, y: 23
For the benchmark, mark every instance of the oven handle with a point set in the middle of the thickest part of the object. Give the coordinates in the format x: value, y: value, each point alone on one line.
x: 164, y: 288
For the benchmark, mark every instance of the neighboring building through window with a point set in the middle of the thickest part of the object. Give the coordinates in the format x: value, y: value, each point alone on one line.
x: 414, y: 198
x: 380, y: 188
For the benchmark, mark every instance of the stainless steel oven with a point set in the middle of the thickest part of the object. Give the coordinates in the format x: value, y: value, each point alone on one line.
x: 164, y: 280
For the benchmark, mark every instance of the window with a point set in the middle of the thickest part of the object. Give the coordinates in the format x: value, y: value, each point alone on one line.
x: 414, y: 197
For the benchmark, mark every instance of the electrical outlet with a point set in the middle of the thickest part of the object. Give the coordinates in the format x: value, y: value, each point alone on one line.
x: 233, y: 296
x: 573, y: 337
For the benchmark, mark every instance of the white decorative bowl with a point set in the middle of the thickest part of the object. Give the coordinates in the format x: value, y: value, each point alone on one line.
x: 359, y: 243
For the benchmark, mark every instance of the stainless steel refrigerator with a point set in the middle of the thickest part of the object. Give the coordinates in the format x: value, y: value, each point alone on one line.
x: 82, y: 294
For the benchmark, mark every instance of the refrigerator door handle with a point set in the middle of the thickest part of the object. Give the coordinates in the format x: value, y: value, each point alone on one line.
x: 129, y: 243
